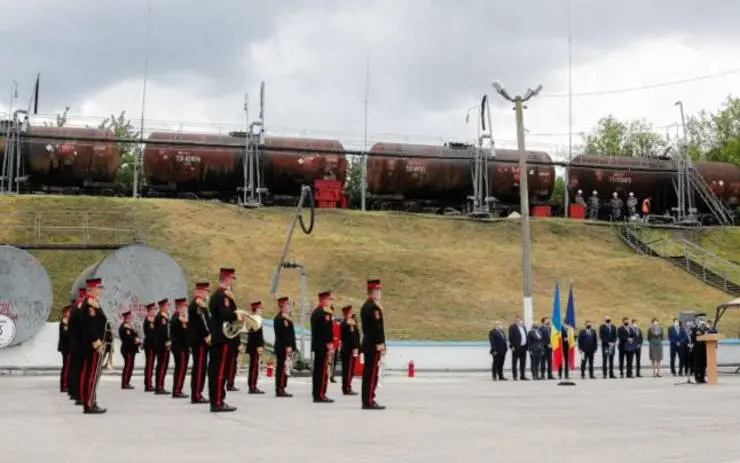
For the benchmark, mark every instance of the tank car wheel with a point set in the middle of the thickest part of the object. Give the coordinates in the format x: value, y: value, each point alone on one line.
x: 412, y: 206
x: 189, y: 195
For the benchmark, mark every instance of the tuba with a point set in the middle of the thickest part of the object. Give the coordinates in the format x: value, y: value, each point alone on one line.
x: 251, y: 322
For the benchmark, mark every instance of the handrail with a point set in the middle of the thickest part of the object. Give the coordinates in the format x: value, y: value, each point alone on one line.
x: 709, y: 253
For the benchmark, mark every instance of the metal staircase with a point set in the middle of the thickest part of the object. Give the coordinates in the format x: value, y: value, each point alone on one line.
x: 699, y: 262
x: 720, y: 211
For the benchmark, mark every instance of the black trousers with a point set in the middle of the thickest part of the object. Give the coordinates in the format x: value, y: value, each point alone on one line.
x: 128, y: 368
x: 254, y: 370
x: 334, y: 363
x: 700, y: 362
x: 536, y: 360
x: 320, y: 373
x: 348, y: 367
x: 149, y: 356
x: 687, y: 359
x: 64, y: 373
x: 163, y: 361
x: 637, y: 360
x: 607, y: 360
x: 546, y: 364
x: 587, y: 358
x: 74, y: 375
x: 675, y: 353
x: 281, y: 375
x: 497, y: 366
x: 370, y: 375
x: 217, y: 372
x: 519, y: 359
x: 198, y: 372
x: 182, y: 358
x: 625, y: 357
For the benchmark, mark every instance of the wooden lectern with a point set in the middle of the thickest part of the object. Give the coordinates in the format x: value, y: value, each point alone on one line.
x: 711, y: 339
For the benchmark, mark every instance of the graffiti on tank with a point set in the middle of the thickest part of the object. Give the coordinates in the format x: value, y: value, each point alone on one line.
x: 6, y: 308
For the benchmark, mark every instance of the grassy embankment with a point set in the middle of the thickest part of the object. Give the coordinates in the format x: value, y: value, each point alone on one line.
x: 444, y: 279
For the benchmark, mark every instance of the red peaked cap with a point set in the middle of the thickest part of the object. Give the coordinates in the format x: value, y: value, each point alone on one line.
x: 163, y: 303
x: 126, y: 313
x: 325, y: 295
x: 202, y: 285
x: 283, y: 300
x: 374, y: 284
x: 181, y: 301
x: 347, y: 309
x: 67, y: 309
x: 151, y: 306
x: 256, y: 305
x: 94, y: 283
x: 227, y: 272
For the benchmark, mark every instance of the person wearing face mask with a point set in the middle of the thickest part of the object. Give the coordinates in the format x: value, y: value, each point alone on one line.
x: 655, y: 341
x: 497, y: 340
x: 626, y: 347
x: 637, y: 332
x: 674, y: 337
x: 518, y: 346
x: 546, y: 365
x: 536, y: 347
x: 608, y: 338
x: 587, y: 344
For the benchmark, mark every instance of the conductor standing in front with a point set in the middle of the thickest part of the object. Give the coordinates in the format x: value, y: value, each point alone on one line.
x: 373, y: 343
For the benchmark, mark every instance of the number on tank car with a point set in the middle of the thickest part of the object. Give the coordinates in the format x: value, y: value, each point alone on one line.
x: 620, y: 180
x: 187, y: 158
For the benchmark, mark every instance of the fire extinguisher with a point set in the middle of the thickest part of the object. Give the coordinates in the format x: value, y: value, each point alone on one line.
x: 269, y: 370
x: 412, y: 369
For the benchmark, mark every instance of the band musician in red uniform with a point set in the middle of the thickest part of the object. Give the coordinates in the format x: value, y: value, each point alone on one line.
x: 321, y: 345
x: 373, y: 343
x: 350, y: 349
x: 255, y: 348
x: 130, y: 343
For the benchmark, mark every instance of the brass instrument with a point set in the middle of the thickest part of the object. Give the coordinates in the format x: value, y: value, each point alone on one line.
x: 251, y: 322
x: 381, y: 368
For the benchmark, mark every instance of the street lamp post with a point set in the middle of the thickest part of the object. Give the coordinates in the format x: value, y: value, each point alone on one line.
x: 523, y: 193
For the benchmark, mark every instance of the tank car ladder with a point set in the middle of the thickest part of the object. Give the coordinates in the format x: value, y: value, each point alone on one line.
x: 481, y: 207
x: 253, y: 189
x: 10, y: 172
x: 721, y: 213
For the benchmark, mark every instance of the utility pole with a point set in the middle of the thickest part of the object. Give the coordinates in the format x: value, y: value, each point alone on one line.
x: 138, y: 152
x: 570, y: 113
x: 523, y: 194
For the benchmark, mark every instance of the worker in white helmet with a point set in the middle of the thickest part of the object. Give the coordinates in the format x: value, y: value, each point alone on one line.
x: 593, y: 206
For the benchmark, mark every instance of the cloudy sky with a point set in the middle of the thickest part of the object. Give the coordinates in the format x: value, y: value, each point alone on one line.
x: 429, y: 60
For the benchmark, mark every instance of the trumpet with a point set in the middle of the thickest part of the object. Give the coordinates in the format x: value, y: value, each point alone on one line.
x: 251, y: 322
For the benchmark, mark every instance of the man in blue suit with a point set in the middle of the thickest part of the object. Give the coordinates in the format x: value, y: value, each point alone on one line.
x: 674, y: 336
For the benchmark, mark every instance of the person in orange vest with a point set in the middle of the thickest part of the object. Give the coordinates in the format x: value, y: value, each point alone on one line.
x: 645, y: 207
x: 336, y: 341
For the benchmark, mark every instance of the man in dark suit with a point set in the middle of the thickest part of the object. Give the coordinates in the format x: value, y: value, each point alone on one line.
x: 518, y: 345
x: 674, y: 336
x: 587, y: 344
x: 626, y: 347
x: 546, y: 365
x: 637, y: 332
x: 686, y: 349
x: 536, y: 348
x: 608, y: 338
x: 497, y: 339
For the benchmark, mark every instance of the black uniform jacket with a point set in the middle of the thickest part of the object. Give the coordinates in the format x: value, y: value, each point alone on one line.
x: 373, y: 331
x: 321, y: 329
x: 179, y: 334
x: 199, y: 319
x: 75, y: 329
x: 587, y: 341
x: 150, y: 334
x: 350, y: 336
x: 256, y: 340
x: 222, y: 307
x: 127, y: 335
x: 161, y: 331
x: 284, y: 333
x: 92, y: 323
x: 63, y: 345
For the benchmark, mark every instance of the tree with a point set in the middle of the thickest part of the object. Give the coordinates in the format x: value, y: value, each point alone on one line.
x: 716, y: 136
x: 122, y: 127
x: 61, y: 119
x: 558, y: 191
x: 353, y: 185
x: 612, y: 137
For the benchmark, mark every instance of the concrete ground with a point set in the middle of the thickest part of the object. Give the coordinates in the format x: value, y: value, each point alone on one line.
x: 430, y: 418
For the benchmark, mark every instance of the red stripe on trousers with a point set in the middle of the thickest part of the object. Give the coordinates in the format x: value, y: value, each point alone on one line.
x: 324, y: 378
x: 220, y: 377
x: 149, y: 368
x: 91, y: 379
x: 183, y: 368
x: 83, y: 378
x: 199, y: 369
x: 254, y: 360
x: 284, y: 378
x: 65, y: 370
x: 374, y: 378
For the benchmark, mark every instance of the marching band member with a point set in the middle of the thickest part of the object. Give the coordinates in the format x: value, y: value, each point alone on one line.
x: 284, y: 345
x: 373, y: 343
x: 350, y: 346
x: 150, y: 346
x: 75, y: 347
x: 180, y: 348
x: 223, y: 309
x: 129, y: 348
x: 63, y: 348
x: 255, y: 347
x: 336, y: 343
x: 92, y: 323
x: 162, y: 345
x: 321, y: 344
x: 199, y: 335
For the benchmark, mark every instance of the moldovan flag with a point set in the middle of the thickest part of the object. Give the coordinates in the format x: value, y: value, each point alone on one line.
x: 570, y: 324
x: 555, y: 341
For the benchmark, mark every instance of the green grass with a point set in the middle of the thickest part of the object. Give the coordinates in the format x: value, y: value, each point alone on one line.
x: 445, y: 279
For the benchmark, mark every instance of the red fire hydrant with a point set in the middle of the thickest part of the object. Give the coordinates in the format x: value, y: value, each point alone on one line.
x: 268, y: 371
x: 412, y: 369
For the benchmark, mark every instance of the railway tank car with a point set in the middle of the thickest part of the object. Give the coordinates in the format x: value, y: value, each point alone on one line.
x: 723, y: 180
x: 504, y: 175
x: 69, y: 166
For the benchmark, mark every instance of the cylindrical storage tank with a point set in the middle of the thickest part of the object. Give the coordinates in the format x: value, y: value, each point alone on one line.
x: 25, y: 296
x: 193, y: 168
x: 70, y: 162
x: 723, y: 180
x: 611, y: 173
x: 503, y: 176
x: 413, y: 177
x: 135, y: 276
x: 285, y: 171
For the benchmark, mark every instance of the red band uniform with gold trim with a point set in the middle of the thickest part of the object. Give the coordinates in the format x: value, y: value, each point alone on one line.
x: 180, y: 348
x: 255, y: 347
x: 130, y: 343
x: 75, y: 348
x: 321, y: 345
x: 222, y: 308
x: 373, y: 343
x: 92, y: 322
x: 350, y: 349
x: 150, y: 346
x: 162, y: 346
x: 63, y: 347
x: 199, y: 338
x: 285, y: 345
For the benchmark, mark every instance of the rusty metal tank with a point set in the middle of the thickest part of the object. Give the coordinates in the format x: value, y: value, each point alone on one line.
x: 70, y: 162
x: 285, y: 171
x: 723, y: 180
x: 503, y: 177
x: 606, y: 180
x: 192, y: 169
x: 413, y: 177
